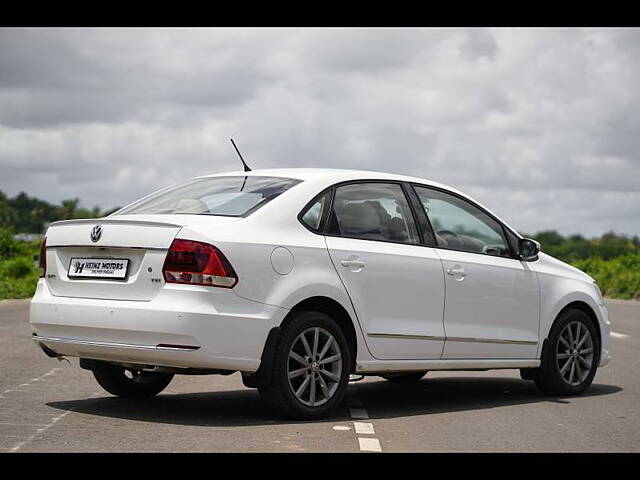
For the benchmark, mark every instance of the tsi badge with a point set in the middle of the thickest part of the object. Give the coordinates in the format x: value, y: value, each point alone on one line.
x: 96, y: 233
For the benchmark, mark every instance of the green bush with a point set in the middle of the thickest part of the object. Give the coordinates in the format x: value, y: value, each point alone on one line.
x: 18, y: 269
x: 618, y: 277
x: 8, y: 246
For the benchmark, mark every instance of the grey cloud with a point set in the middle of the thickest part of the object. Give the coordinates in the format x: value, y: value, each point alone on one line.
x: 539, y: 124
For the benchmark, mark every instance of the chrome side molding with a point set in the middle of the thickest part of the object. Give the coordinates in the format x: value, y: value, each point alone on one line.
x: 451, y: 339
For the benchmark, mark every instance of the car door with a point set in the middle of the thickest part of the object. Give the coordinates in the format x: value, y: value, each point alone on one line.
x: 492, y: 298
x: 395, y: 283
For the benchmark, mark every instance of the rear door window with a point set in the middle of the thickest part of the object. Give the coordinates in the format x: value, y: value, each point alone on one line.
x: 373, y: 211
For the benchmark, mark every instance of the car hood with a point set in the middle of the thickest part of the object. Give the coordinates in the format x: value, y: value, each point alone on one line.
x: 549, y: 265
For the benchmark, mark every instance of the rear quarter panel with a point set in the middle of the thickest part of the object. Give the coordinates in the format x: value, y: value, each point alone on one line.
x: 249, y: 246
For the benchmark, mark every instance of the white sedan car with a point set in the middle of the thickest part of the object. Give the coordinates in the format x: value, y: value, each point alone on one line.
x: 298, y: 278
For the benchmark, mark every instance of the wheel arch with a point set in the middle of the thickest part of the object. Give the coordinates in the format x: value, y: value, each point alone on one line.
x: 335, y: 310
x: 591, y: 314
x: 584, y: 307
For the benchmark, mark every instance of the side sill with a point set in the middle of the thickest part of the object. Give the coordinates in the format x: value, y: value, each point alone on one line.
x: 462, y: 364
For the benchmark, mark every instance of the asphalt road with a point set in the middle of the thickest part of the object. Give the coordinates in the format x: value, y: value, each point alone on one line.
x: 51, y: 406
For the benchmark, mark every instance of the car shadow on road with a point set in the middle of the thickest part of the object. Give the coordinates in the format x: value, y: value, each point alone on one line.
x: 385, y: 399
x: 382, y: 399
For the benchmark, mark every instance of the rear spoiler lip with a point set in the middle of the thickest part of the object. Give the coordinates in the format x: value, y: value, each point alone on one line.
x: 111, y: 221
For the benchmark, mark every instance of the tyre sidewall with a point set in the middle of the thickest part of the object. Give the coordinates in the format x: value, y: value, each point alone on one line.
x: 285, y: 400
x: 552, y: 381
x: 113, y: 379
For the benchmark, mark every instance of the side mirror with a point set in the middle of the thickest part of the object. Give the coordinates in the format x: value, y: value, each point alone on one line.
x: 528, y: 249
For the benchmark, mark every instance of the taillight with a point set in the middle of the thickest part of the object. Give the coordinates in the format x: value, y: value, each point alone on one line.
x: 198, y: 263
x: 43, y: 257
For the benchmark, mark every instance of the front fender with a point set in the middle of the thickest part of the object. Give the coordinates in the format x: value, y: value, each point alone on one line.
x: 557, y: 293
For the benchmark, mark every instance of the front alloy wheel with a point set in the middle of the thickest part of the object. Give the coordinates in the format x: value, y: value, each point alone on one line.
x: 570, y: 357
x: 574, y: 353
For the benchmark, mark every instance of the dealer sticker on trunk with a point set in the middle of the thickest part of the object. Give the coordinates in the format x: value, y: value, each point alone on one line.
x: 98, y: 268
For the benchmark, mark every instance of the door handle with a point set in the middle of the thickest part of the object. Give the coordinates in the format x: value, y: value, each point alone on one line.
x: 352, y: 263
x: 456, y: 272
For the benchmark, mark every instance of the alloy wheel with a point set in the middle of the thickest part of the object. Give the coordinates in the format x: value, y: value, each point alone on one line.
x: 574, y: 353
x: 314, y: 366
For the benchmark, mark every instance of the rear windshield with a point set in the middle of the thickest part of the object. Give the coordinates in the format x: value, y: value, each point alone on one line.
x: 227, y: 196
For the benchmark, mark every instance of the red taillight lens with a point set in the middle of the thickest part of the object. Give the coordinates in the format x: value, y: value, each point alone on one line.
x: 43, y: 257
x: 198, y: 263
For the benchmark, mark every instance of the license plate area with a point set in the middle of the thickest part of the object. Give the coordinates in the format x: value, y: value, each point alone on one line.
x: 98, y: 268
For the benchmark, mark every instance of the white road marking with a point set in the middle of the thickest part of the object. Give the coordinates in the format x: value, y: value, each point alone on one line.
x: 42, y: 377
x: 46, y: 427
x: 619, y: 335
x: 364, y: 428
x: 341, y: 427
x: 53, y: 421
x: 24, y: 424
x: 369, y: 445
x: 357, y: 411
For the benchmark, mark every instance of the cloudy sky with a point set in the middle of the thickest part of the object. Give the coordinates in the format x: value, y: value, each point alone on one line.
x: 540, y: 125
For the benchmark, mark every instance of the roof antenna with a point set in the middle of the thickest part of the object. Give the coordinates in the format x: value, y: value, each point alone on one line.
x: 246, y: 167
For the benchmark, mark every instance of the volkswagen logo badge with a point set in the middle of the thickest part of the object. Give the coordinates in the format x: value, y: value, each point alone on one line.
x: 96, y: 233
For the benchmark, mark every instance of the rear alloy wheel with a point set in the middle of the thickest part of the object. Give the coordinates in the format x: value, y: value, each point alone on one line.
x: 571, y: 357
x: 410, y: 377
x: 310, y: 369
x: 130, y: 383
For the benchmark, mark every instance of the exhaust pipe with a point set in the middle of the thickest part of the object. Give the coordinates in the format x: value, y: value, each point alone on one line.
x: 51, y: 353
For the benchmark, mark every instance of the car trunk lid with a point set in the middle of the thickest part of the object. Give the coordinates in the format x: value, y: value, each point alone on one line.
x: 120, y: 260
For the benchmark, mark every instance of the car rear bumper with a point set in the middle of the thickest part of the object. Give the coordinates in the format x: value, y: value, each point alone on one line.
x: 183, y: 326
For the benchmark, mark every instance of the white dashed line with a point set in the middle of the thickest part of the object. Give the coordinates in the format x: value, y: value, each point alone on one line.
x: 619, y: 335
x: 46, y: 427
x: 357, y: 411
x: 341, y: 427
x: 54, y: 420
x: 369, y: 445
x: 42, y: 377
x: 364, y: 428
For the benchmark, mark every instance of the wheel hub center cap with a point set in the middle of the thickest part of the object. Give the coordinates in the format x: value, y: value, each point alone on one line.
x: 315, y: 367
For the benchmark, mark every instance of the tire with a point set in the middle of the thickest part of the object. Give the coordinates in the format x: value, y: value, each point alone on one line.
x: 564, y: 370
x: 410, y: 377
x: 326, y: 383
x: 142, y: 384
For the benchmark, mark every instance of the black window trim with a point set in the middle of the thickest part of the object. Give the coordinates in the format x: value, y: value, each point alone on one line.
x: 505, y: 229
x: 324, y: 222
x: 408, y: 188
x: 324, y: 214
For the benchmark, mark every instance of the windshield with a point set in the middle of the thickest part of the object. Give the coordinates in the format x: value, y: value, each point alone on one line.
x: 235, y: 196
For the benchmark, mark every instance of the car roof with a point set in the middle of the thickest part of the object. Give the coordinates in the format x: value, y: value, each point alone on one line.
x: 333, y: 175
